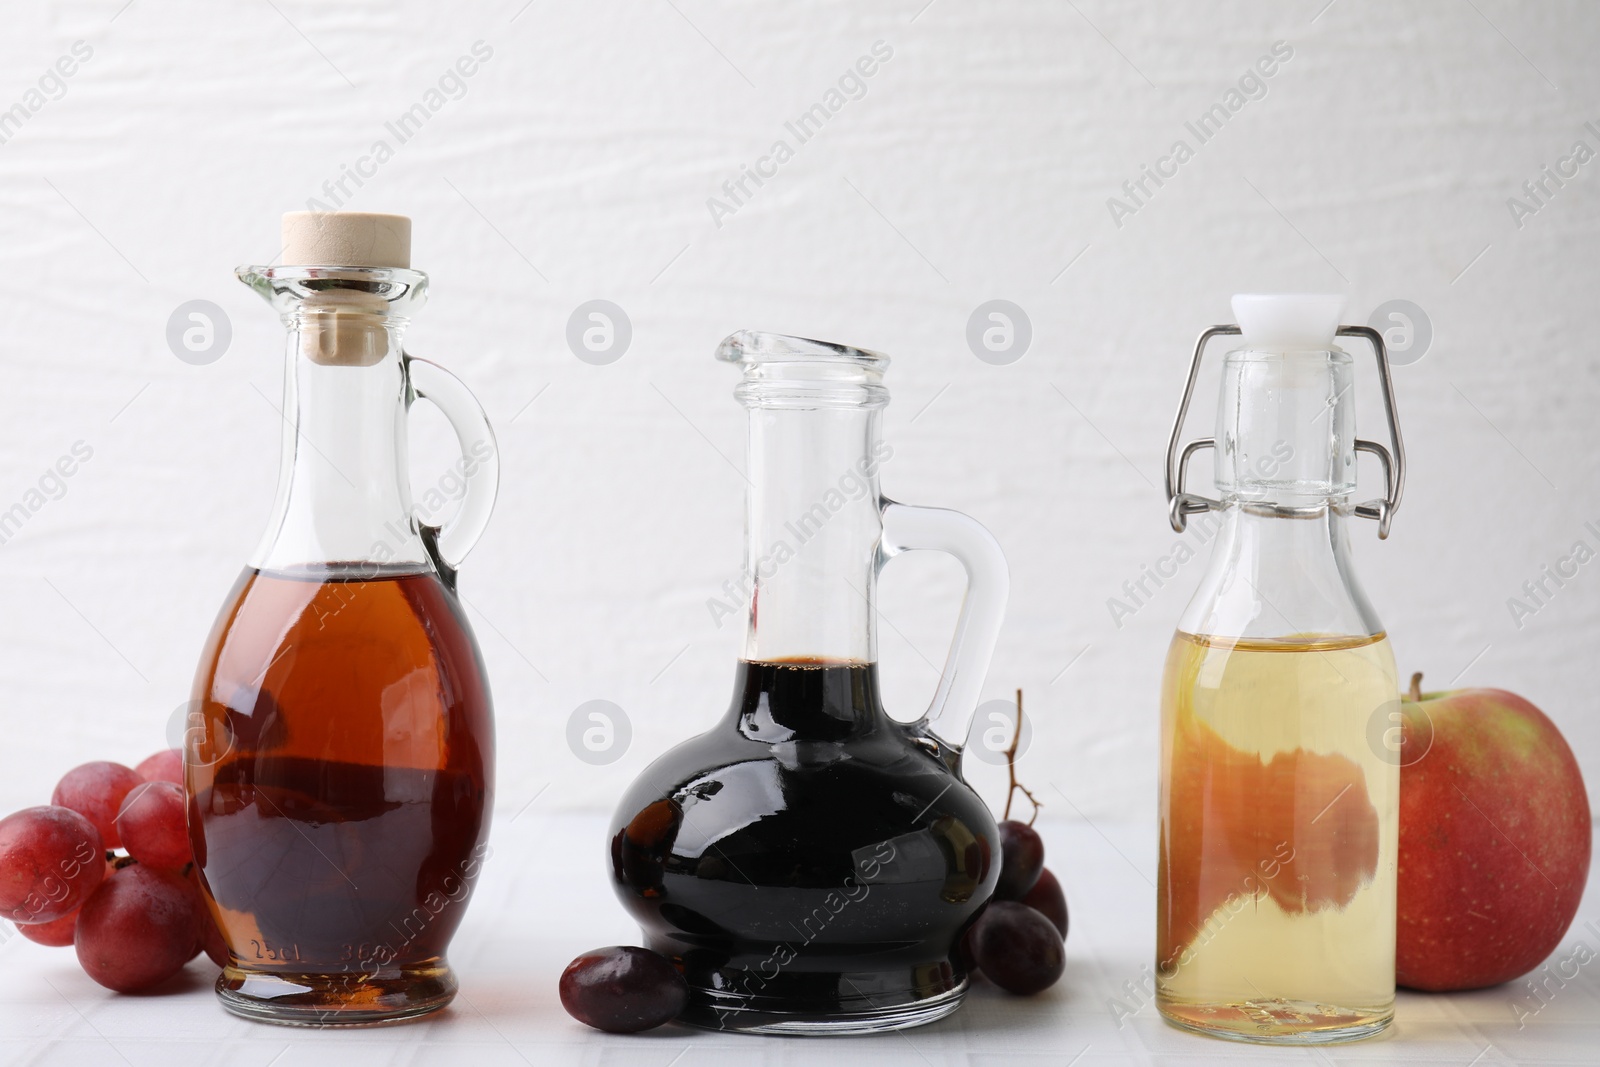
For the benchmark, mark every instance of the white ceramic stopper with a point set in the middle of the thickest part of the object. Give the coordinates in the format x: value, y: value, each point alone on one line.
x: 1288, y: 322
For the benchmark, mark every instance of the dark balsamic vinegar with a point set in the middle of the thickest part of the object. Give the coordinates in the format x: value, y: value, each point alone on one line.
x: 809, y: 856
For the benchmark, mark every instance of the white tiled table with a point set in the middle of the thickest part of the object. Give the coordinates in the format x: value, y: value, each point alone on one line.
x: 544, y: 898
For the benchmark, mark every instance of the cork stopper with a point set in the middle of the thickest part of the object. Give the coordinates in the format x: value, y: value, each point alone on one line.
x: 345, y: 327
x: 346, y: 239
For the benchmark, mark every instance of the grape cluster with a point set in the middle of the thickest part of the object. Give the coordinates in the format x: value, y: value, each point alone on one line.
x: 1018, y: 940
x: 136, y: 917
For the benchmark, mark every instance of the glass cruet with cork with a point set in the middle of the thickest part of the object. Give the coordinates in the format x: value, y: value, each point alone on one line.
x: 809, y: 862
x: 1279, y: 815
x: 340, y: 768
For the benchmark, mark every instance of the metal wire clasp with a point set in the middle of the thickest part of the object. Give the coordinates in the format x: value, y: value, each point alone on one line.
x: 1181, y: 504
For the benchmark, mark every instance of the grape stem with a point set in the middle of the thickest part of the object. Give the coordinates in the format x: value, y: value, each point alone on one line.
x: 1011, y: 771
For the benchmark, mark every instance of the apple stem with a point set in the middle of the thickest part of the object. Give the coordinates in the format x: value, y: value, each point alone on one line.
x: 1416, y: 688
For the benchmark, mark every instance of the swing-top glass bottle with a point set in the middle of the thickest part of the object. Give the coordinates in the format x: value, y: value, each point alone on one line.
x: 1279, y: 797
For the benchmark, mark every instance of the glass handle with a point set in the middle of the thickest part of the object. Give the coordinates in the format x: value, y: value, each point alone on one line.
x: 451, y: 542
x: 907, y: 529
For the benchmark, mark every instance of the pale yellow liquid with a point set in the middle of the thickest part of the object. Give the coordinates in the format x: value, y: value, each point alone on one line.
x: 1279, y: 834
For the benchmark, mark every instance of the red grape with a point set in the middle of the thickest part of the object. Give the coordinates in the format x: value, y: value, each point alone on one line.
x: 96, y: 791
x: 154, y: 826
x: 164, y: 766
x: 623, y: 990
x: 138, y: 929
x: 1018, y: 949
x: 211, y: 942
x: 1048, y: 900
x: 51, y: 859
x: 1021, y: 860
x: 56, y: 934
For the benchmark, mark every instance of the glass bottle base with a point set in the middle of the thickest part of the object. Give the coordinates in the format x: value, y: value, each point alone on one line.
x: 858, y: 1014
x: 341, y: 998
x: 1276, y: 1021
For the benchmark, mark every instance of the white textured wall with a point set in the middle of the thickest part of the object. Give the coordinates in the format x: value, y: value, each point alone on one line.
x: 977, y: 165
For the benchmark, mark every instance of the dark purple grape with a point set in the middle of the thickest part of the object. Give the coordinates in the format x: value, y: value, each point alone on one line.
x: 1048, y: 900
x: 623, y: 990
x: 1017, y: 948
x: 1021, y: 860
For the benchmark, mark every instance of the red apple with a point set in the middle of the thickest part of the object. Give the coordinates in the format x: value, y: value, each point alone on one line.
x: 1494, y: 838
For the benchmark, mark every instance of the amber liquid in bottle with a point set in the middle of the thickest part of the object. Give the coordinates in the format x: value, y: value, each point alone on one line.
x: 1278, y: 843
x: 340, y: 794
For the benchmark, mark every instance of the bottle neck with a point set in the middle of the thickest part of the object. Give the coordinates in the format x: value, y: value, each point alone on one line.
x: 1286, y: 429
x: 343, y: 497
x: 1285, y: 470
x: 813, y: 527
x: 1275, y: 576
x: 775, y: 702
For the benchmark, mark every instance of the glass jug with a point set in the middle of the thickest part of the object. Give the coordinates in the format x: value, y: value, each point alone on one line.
x: 810, y: 862
x: 1279, y: 812
x: 340, y: 777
